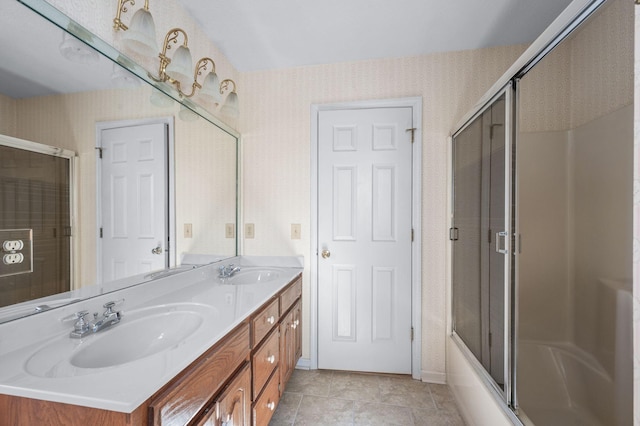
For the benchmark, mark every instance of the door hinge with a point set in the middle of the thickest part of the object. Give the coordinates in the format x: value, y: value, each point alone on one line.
x: 99, y: 151
x: 412, y: 333
x: 412, y: 236
x: 413, y: 133
x: 490, y: 340
x: 489, y: 236
x: 100, y: 232
x: 453, y: 234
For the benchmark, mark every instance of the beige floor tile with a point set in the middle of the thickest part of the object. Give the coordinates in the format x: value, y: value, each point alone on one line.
x: 370, y: 413
x: 287, y: 409
x: 310, y: 382
x: 406, y: 392
x: 328, y: 398
x: 355, y: 386
x: 318, y: 410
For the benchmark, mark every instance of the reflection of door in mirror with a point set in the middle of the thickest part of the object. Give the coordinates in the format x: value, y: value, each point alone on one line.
x: 35, y: 193
x: 134, y: 207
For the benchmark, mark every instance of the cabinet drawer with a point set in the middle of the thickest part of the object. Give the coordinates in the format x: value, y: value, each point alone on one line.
x: 264, y: 361
x: 264, y: 321
x: 183, y: 399
x: 290, y: 295
x: 233, y: 406
x: 264, y: 407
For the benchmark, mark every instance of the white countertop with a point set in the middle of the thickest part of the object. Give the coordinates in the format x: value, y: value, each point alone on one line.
x: 124, y: 387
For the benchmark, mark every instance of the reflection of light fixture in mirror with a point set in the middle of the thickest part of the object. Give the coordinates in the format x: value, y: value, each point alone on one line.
x: 123, y: 78
x: 160, y: 100
x: 231, y: 105
x: 140, y: 35
x: 76, y: 51
x: 186, y: 114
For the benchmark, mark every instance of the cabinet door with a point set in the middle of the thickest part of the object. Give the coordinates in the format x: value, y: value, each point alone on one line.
x: 287, y: 341
x: 233, y: 406
x: 297, y: 327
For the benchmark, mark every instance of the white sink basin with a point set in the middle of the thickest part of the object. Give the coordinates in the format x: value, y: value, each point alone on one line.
x: 134, y: 340
x: 254, y: 276
x: 140, y: 334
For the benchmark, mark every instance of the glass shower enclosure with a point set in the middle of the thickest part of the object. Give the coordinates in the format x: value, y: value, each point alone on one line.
x: 542, y: 225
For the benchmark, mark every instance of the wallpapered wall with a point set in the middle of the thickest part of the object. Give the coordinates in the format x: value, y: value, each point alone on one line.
x: 275, y: 125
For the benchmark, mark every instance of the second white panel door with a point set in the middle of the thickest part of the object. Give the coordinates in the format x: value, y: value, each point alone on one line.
x: 134, y: 200
x: 365, y: 241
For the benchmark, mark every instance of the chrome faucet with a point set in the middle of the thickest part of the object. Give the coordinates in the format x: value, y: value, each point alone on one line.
x: 82, y: 327
x: 109, y: 317
x: 228, y: 271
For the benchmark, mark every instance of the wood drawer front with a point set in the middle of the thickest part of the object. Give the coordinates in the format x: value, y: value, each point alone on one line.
x: 233, y: 406
x: 181, y: 402
x: 264, y: 407
x: 264, y: 361
x: 290, y: 295
x: 264, y: 321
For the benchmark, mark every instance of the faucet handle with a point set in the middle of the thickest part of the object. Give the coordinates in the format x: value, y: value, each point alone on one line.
x: 109, y: 306
x: 75, y: 316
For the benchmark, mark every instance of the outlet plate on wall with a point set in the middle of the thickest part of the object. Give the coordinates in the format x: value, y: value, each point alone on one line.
x: 230, y: 230
x: 295, y: 231
x: 16, y: 251
x: 249, y: 230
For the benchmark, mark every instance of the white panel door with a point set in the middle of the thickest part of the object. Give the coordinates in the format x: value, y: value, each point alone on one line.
x: 134, y: 200
x: 364, y: 237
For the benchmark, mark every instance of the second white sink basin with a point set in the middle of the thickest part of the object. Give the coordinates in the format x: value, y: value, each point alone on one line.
x: 140, y: 334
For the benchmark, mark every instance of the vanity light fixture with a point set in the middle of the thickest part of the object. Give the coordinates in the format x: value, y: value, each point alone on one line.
x: 230, y: 107
x: 177, y: 70
x: 140, y: 35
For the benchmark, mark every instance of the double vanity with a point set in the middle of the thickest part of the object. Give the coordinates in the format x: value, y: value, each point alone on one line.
x: 215, y: 344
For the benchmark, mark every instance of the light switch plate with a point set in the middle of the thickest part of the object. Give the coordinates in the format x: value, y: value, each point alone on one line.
x: 249, y: 230
x: 295, y: 231
x: 229, y: 230
x: 188, y: 230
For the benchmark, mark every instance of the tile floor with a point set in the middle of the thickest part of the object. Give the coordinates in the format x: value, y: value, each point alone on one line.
x: 322, y: 397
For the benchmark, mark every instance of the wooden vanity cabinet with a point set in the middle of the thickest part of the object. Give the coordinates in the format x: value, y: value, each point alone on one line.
x: 275, y: 357
x: 238, y: 381
x: 183, y: 400
x: 233, y: 406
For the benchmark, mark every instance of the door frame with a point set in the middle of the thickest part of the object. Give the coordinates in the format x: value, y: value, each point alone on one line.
x: 171, y: 217
x: 415, y: 103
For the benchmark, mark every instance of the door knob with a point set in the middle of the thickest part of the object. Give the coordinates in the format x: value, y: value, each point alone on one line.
x: 157, y: 250
x: 326, y: 254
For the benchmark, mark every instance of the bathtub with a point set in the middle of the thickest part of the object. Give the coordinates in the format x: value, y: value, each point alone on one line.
x: 560, y: 384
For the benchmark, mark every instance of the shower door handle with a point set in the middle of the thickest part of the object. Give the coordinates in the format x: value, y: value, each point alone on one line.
x: 501, y: 242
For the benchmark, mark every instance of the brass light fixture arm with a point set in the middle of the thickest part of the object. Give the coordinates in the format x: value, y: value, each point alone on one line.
x: 201, y: 67
x: 171, y: 37
x: 225, y: 85
x: 122, y: 8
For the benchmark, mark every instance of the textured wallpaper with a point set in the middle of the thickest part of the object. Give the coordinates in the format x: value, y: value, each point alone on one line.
x: 7, y: 116
x: 275, y: 123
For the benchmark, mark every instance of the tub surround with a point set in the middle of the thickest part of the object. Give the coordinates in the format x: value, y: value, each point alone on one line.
x: 122, y: 388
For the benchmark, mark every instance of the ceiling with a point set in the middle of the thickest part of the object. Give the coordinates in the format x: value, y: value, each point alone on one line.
x: 258, y: 34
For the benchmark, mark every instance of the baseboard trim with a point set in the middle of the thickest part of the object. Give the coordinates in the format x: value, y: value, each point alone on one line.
x: 304, y: 364
x: 434, y: 377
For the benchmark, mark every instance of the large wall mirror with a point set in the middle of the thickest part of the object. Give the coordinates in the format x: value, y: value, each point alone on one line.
x: 63, y: 105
